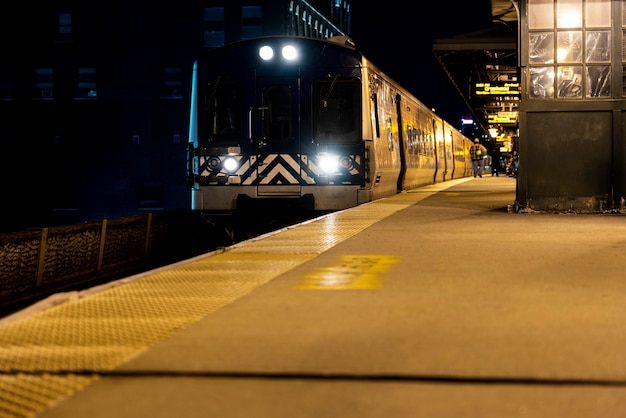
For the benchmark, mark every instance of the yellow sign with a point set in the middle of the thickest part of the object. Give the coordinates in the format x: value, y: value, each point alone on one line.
x: 352, y: 272
x: 502, y: 117
x: 498, y: 88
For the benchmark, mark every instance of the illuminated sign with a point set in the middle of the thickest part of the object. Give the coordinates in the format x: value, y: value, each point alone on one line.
x: 497, y: 88
x: 503, y: 117
x: 467, y: 121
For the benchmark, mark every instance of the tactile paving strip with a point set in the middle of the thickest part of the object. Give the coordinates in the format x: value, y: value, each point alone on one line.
x: 48, y: 355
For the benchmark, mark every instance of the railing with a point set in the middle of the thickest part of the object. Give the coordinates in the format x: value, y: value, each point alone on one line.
x: 41, y: 261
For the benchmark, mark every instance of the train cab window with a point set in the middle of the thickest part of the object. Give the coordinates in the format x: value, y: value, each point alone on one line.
x: 221, y: 118
x: 336, y: 110
x: 277, y: 105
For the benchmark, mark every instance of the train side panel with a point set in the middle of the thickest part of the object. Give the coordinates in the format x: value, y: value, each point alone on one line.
x: 419, y: 147
x: 442, y: 150
x: 460, y: 149
x: 384, y: 153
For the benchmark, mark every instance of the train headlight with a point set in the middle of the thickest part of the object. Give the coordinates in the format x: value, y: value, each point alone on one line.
x: 346, y: 163
x: 266, y: 52
x: 214, y: 163
x: 328, y: 163
x: 230, y: 164
x: 289, y: 52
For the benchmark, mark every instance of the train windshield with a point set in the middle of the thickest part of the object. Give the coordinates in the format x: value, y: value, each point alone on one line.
x: 221, y: 111
x: 277, y: 100
x: 336, y: 112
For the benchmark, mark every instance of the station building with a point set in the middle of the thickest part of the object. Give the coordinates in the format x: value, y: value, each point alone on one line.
x: 555, y: 73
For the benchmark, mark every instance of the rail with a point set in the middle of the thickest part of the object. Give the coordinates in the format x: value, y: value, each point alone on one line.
x: 38, y: 262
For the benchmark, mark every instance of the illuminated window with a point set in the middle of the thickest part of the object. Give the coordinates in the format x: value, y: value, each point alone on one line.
x: 65, y: 23
x: 172, y: 82
x: 623, y: 48
x: 569, y: 49
x: 44, y: 84
x: 86, y: 84
x: 251, y: 22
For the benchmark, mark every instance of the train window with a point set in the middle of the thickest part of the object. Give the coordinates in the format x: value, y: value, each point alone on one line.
x: 278, y: 117
x: 377, y: 122
x: 221, y: 119
x: 336, y: 114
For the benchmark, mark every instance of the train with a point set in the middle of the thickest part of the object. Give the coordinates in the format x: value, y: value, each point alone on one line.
x: 296, y: 122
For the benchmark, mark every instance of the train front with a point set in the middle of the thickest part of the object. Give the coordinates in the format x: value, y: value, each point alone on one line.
x: 277, y: 121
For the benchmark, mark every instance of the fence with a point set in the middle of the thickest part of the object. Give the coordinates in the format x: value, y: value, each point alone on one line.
x: 39, y: 262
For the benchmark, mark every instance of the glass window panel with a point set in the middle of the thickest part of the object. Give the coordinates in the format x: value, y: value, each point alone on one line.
x: 569, y: 46
x: 598, y: 46
x: 569, y: 81
x: 541, y: 14
x: 337, y: 116
x: 598, y: 81
x: 541, y: 48
x: 44, y: 78
x: 221, y: 120
x: 86, y: 83
x: 279, y: 116
x: 65, y: 23
x: 569, y: 13
x: 171, y: 81
x: 598, y: 13
x: 541, y: 82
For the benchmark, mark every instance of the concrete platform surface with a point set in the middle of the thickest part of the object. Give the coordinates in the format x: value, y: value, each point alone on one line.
x: 438, y: 302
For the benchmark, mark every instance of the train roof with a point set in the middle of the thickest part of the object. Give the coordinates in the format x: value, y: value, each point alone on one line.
x: 339, y: 41
x: 337, y: 51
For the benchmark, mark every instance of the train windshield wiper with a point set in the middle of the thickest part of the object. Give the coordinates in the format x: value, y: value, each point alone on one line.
x: 213, y: 93
x: 330, y: 90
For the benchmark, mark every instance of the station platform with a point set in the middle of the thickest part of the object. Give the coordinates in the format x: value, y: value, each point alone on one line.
x: 437, y: 302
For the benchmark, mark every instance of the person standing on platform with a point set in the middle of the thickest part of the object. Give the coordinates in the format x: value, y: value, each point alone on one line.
x: 477, y: 154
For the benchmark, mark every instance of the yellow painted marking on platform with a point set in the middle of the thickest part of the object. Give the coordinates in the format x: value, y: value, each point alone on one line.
x: 351, y: 272
x: 97, y: 330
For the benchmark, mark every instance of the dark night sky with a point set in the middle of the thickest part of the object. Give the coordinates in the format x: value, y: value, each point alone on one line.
x: 398, y: 35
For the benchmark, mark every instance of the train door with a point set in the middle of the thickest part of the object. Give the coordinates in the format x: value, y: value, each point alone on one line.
x: 277, y: 136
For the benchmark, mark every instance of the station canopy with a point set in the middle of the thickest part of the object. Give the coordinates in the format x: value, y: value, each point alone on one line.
x: 483, y: 67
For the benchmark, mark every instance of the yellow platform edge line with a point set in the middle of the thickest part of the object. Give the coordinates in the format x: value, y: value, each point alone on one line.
x: 92, y: 330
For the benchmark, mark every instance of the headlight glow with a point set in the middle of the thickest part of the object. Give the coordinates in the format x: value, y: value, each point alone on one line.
x: 230, y: 164
x: 266, y: 52
x: 328, y: 163
x: 289, y: 52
